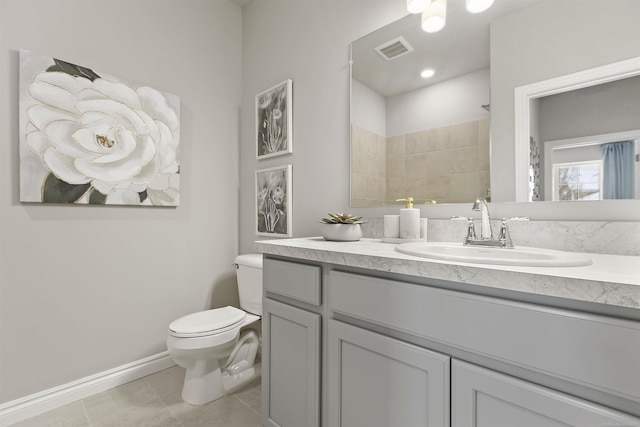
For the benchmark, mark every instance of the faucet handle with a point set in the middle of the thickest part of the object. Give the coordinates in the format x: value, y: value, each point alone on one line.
x: 462, y: 218
x: 471, y: 229
x: 505, y: 236
x: 515, y: 218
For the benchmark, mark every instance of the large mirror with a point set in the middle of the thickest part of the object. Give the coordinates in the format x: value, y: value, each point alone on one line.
x: 429, y: 138
x: 423, y: 137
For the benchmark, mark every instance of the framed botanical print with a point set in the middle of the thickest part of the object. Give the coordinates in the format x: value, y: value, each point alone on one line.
x: 273, y: 121
x: 273, y: 201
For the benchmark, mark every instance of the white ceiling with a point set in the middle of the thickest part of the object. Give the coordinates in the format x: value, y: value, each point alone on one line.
x: 461, y: 47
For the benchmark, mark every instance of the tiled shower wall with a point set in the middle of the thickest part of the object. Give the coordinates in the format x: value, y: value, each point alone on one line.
x: 449, y: 164
x: 368, y: 168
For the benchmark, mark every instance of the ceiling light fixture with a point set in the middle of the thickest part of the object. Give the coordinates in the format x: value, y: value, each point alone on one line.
x: 429, y: 72
x: 477, y: 6
x: 434, y: 18
x: 417, y: 6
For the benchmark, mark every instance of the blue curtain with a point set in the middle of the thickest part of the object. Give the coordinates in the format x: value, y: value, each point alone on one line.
x: 618, y: 179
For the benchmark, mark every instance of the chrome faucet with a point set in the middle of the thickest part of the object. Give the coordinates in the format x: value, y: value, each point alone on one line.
x: 486, y: 234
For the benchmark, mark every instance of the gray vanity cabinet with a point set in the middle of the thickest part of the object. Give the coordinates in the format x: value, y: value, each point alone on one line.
x: 381, y: 350
x: 375, y: 380
x: 291, y: 345
x: 485, y: 398
x: 594, y: 360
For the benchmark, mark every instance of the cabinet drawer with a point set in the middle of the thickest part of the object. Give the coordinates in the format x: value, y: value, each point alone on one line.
x: 594, y: 351
x: 298, y: 281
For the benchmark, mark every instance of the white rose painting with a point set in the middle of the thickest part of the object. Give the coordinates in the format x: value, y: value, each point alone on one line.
x: 273, y: 201
x: 90, y: 138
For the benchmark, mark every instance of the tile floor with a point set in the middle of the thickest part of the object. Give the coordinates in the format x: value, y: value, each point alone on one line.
x: 155, y: 401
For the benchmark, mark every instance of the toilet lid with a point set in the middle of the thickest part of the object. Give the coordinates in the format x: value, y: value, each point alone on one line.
x: 207, y: 322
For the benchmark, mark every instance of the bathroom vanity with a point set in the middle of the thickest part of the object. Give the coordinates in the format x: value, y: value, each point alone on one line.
x: 356, y: 334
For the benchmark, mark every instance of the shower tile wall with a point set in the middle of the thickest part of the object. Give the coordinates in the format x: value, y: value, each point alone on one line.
x: 368, y: 168
x: 448, y: 164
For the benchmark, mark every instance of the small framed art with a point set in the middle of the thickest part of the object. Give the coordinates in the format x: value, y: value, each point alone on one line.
x: 273, y: 201
x: 274, y: 121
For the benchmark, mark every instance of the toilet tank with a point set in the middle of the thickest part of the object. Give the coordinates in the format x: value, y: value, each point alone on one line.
x: 249, y: 276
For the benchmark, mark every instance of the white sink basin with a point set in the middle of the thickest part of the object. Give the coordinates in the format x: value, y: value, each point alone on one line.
x: 522, y: 256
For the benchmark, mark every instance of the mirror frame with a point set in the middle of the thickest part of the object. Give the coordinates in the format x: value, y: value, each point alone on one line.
x: 525, y: 94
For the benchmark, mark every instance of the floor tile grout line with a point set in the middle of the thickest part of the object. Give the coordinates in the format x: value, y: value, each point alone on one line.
x: 164, y: 403
x: 246, y: 404
x: 173, y: 414
x: 86, y: 413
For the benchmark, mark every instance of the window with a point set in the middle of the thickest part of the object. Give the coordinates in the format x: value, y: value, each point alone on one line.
x: 577, y: 181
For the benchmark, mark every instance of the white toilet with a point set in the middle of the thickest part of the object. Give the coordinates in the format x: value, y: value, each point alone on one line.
x: 209, y: 345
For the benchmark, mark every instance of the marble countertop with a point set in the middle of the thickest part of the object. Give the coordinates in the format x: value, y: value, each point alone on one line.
x: 611, y: 279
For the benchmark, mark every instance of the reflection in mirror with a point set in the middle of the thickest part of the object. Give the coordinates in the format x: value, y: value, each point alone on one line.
x: 425, y: 138
x: 587, y: 140
x: 583, y: 134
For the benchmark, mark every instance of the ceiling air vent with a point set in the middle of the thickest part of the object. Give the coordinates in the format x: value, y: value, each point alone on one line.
x: 394, y: 48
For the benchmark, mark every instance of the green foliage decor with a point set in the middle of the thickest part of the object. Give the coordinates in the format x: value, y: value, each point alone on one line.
x: 342, y: 218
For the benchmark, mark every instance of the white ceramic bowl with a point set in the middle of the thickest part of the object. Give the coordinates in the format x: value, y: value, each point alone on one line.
x: 341, y: 232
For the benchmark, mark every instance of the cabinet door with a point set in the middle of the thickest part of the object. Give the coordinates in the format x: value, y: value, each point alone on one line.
x: 485, y: 398
x: 377, y: 381
x: 290, y: 366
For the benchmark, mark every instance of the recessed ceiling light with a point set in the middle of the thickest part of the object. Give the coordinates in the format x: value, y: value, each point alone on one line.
x: 429, y: 72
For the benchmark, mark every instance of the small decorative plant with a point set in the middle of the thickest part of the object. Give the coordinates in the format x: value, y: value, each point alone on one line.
x: 342, y: 218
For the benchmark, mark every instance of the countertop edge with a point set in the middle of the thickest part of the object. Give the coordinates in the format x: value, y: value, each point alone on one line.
x: 590, y: 284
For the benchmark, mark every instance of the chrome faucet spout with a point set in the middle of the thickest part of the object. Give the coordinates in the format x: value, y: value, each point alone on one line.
x: 486, y: 236
x: 485, y: 232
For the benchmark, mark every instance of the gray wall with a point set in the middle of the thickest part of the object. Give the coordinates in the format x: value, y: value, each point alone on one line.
x: 85, y: 289
x: 453, y: 101
x: 368, y: 109
x: 596, y: 110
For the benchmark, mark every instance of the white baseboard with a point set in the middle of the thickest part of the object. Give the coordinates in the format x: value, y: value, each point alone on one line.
x: 35, y: 404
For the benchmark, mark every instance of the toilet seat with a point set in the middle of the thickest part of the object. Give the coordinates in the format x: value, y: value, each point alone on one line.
x: 208, y: 322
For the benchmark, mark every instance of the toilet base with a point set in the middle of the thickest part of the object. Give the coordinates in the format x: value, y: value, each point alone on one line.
x: 237, y: 381
x: 207, y: 380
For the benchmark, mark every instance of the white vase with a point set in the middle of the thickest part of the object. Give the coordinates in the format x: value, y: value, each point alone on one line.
x: 341, y: 232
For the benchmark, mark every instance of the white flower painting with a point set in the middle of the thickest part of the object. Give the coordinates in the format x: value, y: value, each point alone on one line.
x: 273, y: 121
x: 90, y: 138
x: 273, y: 201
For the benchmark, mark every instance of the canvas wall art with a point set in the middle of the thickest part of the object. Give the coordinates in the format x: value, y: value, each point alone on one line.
x: 273, y: 121
x: 87, y: 137
x: 273, y: 201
